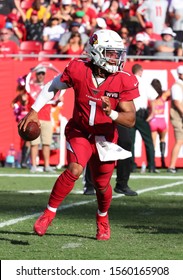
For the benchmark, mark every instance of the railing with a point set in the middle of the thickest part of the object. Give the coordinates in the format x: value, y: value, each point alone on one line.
x: 64, y: 56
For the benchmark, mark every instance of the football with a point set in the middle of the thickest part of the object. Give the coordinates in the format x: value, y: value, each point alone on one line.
x: 31, y: 133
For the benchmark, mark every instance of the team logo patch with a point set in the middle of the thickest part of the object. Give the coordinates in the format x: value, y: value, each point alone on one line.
x: 93, y: 39
x: 112, y: 94
x: 95, y: 91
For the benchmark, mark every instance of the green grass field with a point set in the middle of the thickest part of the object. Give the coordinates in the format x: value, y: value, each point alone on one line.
x: 146, y: 227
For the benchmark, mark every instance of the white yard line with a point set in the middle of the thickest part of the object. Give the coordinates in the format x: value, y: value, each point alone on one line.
x: 160, y: 187
x: 132, y: 176
x: 14, y: 221
x: 173, y: 193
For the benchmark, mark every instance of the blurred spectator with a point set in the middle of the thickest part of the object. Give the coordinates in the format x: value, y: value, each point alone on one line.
x: 7, y: 46
x: 65, y: 12
x: 90, y: 15
x: 6, y: 7
x: 130, y: 21
x: 156, y: 118
x: 42, y: 12
x: 106, y: 3
x: 124, y: 33
x: 98, y: 4
x: 78, y: 17
x: 168, y: 46
x: 112, y: 16
x: 13, y: 37
x: 34, y: 26
x: 54, y: 6
x: 54, y: 30
x: 44, y: 2
x: 18, y: 27
x: 21, y: 103
x: 100, y: 24
x: 74, y: 27
x: 149, y: 36
x: 176, y: 117
x: 138, y: 48
x: 21, y: 106
x: 74, y: 45
x: 154, y: 11
x: 34, y: 87
x: 176, y: 16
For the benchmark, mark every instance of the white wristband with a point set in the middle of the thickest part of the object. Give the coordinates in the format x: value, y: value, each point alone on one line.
x: 113, y: 115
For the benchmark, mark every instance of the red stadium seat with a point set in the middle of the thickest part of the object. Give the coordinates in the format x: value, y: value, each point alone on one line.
x: 49, y: 45
x: 45, y: 55
x: 31, y: 47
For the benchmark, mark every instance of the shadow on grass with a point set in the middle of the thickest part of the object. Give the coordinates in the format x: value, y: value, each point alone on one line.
x: 15, y: 242
x: 143, y: 214
x: 26, y: 243
x: 154, y: 230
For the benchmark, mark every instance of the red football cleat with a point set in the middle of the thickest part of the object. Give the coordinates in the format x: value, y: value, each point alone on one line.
x: 103, y: 228
x: 43, y: 222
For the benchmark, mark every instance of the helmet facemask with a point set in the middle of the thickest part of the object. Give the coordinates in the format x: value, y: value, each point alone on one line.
x: 114, y: 59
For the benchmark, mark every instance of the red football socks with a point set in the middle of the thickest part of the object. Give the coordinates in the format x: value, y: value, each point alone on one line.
x: 62, y: 187
x: 104, y: 199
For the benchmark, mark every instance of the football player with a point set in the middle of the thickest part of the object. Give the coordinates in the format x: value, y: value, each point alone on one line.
x: 104, y: 96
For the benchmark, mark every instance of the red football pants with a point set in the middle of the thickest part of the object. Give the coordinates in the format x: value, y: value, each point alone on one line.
x: 82, y: 150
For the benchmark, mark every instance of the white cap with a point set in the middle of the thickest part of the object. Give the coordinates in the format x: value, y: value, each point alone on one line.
x: 140, y: 37
x: 101, y: 22
x: 168, y: 30
x: 180, y: 69
x: 41, y: 69
x: 66, y: 2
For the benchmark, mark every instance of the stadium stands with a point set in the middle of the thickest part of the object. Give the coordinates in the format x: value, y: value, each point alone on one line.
x: 49, y: 45
x: 31, y: 47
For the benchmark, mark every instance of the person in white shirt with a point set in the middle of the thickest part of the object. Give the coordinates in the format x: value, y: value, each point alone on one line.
x: 154, y: 11
x: 54, y: 30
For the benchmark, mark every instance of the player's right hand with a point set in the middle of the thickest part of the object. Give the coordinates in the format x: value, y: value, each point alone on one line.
x: 32, y: 116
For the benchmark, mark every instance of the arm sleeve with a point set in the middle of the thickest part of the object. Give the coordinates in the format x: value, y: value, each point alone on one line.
x: 48, y: 92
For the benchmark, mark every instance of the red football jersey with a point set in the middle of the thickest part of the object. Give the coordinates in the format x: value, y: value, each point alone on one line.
x: 88, y: 115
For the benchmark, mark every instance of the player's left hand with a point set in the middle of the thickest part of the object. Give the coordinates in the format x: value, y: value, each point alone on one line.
x: 106, y: 105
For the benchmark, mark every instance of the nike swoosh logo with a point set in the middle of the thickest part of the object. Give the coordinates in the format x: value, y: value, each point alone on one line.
x: 135, y: 84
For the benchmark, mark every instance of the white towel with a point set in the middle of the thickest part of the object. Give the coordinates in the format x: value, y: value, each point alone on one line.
x: 109, y: 151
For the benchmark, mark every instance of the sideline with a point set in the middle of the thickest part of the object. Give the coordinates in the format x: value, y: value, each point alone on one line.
x: 137, y: 176
x: 63, y: 207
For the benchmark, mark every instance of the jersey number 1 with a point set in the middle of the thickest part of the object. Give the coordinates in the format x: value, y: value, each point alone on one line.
x: 92, y: 112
